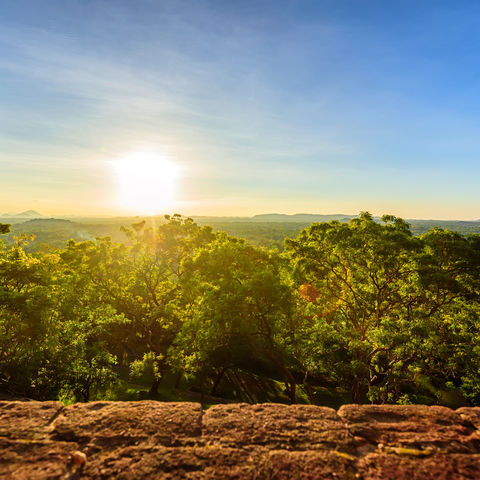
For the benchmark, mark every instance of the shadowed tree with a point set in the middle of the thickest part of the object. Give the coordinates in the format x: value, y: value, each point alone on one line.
x: 237, y: 309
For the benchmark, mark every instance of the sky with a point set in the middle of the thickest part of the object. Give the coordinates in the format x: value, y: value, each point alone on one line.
x: 264, y: 106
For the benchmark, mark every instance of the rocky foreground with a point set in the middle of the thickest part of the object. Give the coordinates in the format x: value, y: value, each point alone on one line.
x: 153, y: 440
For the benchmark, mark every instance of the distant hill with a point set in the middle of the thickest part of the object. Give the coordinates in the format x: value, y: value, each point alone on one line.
x: 46, y: 224
x: 22, y: 215
x: 300, y: 217
x: 268, y: 230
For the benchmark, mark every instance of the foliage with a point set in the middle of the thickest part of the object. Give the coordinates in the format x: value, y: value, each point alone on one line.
x: 237, y: 308
x: 388, y: 303
x: 358, y: 311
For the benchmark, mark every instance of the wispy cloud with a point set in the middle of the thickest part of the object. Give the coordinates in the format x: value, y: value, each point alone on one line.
x: 258, y: 100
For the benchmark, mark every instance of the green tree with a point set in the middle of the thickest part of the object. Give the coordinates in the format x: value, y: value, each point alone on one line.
x: 237, y: 309
x: 141, y: 281
x: 364, y: 275
x: 50, y: 338
x: 386, y: 310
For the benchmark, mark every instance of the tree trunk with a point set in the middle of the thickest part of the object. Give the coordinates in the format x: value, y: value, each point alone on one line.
x: 86, y: 390
x: 357, y: 391
x: 202, y: 388
x: 311, y: 395
x: 217, y: 380
x: 288, y: 377
x: 154, y: 387
x: 178, y: 379
x: 293, y: 391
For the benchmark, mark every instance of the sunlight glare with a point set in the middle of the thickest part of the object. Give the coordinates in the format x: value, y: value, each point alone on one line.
x: 146, y: 182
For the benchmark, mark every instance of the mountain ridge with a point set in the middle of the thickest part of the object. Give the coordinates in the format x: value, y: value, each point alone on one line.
x: 31, y: 214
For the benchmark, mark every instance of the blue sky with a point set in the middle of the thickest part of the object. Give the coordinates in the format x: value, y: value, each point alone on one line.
x: 285, y: 106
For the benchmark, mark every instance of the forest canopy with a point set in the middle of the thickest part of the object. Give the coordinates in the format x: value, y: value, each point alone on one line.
x: 363, y: 311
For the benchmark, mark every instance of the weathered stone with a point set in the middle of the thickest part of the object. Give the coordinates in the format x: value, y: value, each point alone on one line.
x: 436, y: 467
x: 279, y: 426
x: 34, y: 459
x: 308, y: 465
x: 413, y: 426
x: 154, y: 462
x: 470, y: 414
x: 154, y: 440
x: 110, y: 424
x: 27, y: 420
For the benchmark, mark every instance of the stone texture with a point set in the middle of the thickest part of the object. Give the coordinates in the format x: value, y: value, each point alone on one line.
x: 154, y: 440
x: 27, y: 420
x: 138, y: 462
x: 32, y: 459
x: 279, y: 426
x: 437, y: 467
x: 112, y: 424
x: 471, y: 415
x: 308, y: 465
x: 411, y: 426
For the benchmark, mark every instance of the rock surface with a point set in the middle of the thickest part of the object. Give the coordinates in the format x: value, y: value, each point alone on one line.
x: 154, y: 440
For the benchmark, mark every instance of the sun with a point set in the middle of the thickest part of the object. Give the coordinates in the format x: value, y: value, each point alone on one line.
x: 146, y: 182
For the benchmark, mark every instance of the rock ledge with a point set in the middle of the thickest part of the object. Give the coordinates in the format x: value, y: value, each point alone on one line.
x: 155, y: 440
